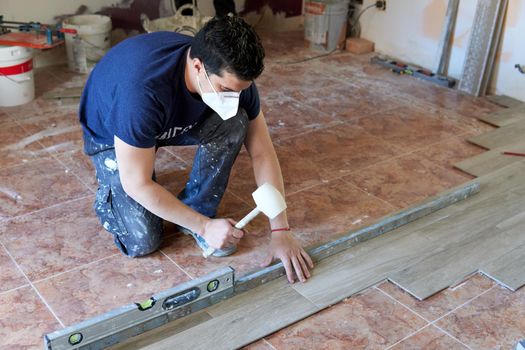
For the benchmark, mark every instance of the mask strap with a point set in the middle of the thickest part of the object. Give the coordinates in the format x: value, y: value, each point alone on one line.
x: 208, y: 78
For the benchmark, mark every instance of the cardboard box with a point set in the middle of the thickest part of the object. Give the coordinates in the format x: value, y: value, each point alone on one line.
x: 359, y: 46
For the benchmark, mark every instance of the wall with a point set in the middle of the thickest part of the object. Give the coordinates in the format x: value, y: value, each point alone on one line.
x: 410, y: 30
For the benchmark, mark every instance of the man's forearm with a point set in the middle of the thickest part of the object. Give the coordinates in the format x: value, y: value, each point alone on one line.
x: 164, y: 204
x: 267, y: 169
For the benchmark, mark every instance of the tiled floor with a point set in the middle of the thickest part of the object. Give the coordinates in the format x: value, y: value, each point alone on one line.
x: 355, y: 142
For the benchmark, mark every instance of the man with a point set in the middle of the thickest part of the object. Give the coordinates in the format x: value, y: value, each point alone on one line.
x: 167, y: 89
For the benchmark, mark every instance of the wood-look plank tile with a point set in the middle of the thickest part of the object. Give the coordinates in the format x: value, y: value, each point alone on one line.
x: 169, y: 329
x: 492, y: 160
x: 506, y: 116
x: 465, y: 244
x: 508, y: 269
x: 504, y: 100
x: 506, y: 135
x: 239, y: 321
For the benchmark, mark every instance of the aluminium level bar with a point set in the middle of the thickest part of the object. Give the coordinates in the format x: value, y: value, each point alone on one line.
x: 118, y: 325
x: 134, y: 319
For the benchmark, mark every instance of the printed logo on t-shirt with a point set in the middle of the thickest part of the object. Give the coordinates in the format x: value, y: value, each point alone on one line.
x: 175, y: 131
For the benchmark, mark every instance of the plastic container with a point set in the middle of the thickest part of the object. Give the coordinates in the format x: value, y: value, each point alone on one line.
x: 90, y: 43
x: 325, y: 24
x: 17, y: 84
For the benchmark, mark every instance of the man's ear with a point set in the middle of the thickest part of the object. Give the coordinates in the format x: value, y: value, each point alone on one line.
x: 197, y: 64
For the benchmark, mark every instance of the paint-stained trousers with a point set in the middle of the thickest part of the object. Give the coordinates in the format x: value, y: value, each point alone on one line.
x: 136, y: 230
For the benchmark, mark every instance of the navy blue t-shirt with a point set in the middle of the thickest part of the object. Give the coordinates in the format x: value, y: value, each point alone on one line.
x: 137, y: 92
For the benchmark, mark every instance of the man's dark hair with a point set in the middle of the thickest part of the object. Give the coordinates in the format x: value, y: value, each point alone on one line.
x: 231, y: 44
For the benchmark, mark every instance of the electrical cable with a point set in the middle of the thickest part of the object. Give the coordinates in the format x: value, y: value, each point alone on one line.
x: 355, y: 27
x: 310, y: 58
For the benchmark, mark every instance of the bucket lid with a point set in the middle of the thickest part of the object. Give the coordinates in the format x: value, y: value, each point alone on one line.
x: 88, y: 24
x: 9, y: 53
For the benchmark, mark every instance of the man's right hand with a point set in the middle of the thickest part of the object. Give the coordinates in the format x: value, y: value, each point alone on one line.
x: 221, y: 233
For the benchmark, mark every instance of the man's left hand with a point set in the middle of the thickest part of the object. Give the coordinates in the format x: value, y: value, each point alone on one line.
x: 296, y: 261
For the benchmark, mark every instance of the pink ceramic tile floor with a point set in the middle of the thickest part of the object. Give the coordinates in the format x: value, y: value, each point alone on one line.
x: 356, y: 142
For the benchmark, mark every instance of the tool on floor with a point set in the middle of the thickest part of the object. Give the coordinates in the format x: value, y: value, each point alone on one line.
x: 269, y: 201
x: 445, y: 42
x: 418, y: 72
x: 133, y: 319
x: 35, y: 35
x: 514, y: 154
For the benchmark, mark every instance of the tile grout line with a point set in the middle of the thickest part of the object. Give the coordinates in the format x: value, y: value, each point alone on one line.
x: 402, y: 304
x: 465, y: 303
x: 428, y: 323
x: 451, y: 336
x: 12, y: 290
x: 170, y: 259
x: 75, y: 268
x: 269, y: 344
x: 408, y: 336
x: 67, y: 170
x: 34, y: 288
x: 433, y: 323
x: 42, y: 209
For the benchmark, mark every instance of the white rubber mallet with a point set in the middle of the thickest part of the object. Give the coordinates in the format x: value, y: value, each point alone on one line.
x: 269, y: 201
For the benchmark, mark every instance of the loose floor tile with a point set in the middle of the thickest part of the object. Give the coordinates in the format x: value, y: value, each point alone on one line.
x: 440, y: 304
x: 11, y: 151
x: 24, y: 320
x: 368, y: 321
x: 108, y: 284
x: 405, y: 180
x: 58, y: 130
x: 448, y: 152
x: 287, y: 117
x: 429, y: 338
x: 77, y: 162
x: 37, y: 185
x: 10, y: 277
x: 495, y: 320
x: 408, y: 128
x: 336, y: 100
x: 323, y: 212
x: 57, y: 239
x: 336, y: 151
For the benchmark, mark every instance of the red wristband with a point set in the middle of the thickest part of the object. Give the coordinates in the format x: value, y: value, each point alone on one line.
x: 281, y: 229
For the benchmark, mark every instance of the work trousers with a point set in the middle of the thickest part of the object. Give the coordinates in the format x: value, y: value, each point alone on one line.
x: 137, y: 231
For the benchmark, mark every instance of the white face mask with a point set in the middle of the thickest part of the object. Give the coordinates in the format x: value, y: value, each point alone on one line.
x: 225, y: 104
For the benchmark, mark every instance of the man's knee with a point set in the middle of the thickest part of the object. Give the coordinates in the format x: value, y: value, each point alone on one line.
x: 137, y: 244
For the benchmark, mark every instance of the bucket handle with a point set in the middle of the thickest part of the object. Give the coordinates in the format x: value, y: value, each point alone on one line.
x: 14, y: 80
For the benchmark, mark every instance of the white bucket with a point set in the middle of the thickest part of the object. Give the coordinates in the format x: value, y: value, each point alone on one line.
x: 17, y: 84
x: 325, y: 24
x: 90, y: 44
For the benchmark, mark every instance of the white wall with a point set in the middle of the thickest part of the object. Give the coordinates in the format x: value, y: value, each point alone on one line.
x: 410, y: 30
